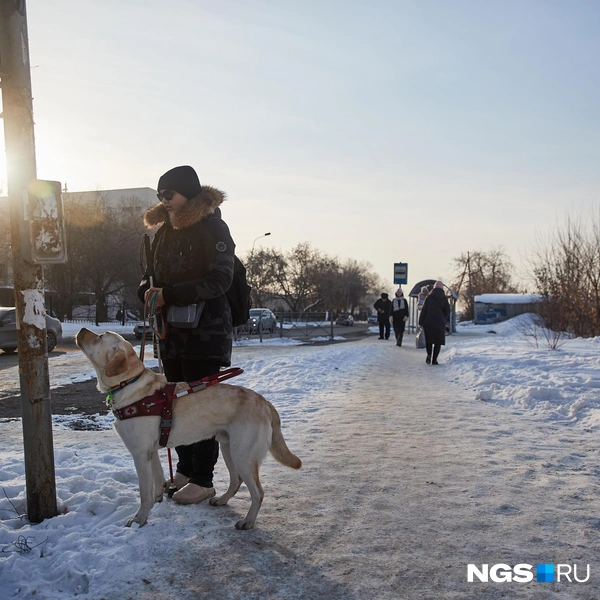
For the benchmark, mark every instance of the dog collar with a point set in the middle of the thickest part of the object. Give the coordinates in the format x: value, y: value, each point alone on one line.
x: 113, y: 390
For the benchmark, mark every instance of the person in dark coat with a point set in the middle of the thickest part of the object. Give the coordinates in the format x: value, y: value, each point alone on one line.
x: 383, y: 306
x: 193, y: 256
x: 434, y: 313
x: 399, y: 315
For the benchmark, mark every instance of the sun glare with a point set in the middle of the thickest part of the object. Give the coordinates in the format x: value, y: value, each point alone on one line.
x: 47, y: 167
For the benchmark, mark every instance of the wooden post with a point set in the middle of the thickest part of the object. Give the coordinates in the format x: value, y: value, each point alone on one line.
x: 28, y: 278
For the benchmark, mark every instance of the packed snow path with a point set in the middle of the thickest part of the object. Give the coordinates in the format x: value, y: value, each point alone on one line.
x: 407, y: 479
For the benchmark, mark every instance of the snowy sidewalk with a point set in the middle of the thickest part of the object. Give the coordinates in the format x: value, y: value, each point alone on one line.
x: 406, y: 480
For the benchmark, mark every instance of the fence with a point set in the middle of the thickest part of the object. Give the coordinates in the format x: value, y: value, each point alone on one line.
x: 304, y: 326
x: 117, y: 312
x: 291, y: 325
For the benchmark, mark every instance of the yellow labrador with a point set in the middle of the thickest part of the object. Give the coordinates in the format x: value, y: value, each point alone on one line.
x: 243, y: 422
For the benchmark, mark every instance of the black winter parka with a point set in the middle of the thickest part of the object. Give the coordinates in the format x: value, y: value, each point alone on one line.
x: 386, y: 307
x: 433, y: 316
x: 193, y: 262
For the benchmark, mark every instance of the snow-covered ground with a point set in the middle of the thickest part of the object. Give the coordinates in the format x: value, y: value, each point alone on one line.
x: 510, y: 367
x: 410, y: 472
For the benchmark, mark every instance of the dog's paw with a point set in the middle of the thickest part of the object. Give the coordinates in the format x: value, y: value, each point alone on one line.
x: 220, y: 501
x: 158, y: 497
x: 244, y: 524
x: 137, y: 520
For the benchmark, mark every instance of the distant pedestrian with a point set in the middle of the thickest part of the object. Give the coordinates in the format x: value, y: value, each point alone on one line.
x: 399, y: 315
x: 434, y: 313
x: 383, y: 306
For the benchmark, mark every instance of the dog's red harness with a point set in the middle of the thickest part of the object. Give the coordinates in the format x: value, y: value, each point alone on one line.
x: 160, y: 404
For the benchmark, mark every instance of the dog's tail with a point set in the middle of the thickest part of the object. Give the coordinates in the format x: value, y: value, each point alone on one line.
x: 279, y: 450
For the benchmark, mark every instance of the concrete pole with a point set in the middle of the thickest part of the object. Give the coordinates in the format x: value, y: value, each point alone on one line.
x: 28, y: 278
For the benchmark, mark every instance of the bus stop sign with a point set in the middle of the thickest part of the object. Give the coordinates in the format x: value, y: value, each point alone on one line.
x: 401, y: 273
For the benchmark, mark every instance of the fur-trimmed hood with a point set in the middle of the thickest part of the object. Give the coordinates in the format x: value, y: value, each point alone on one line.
x: 194, y: 210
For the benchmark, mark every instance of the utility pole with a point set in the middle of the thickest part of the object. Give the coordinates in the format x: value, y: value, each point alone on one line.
x: 28, y: 277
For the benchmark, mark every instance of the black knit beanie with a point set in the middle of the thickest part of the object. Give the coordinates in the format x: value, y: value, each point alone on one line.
x: 181, y: 179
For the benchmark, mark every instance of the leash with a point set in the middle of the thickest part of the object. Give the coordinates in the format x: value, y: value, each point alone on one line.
x: 152, y: 316
x: 158, y: 326
x: 200, y: 384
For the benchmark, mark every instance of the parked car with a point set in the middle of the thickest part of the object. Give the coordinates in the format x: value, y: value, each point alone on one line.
x: 138, y: 330
x: 262, y: 317
x: 8, y: 330
x: 345, y: 319
x: 372, y: 320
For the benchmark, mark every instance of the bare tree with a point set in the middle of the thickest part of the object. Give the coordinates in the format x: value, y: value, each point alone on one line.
x: 566, y: 270
x: 344, y: 287
x: 481, y: 273
x: 103, y: 255
x: 330, y: 285
x: 536, y: 329
x: 295, y: 276
x: 360, y: 281
x: 262, y: 266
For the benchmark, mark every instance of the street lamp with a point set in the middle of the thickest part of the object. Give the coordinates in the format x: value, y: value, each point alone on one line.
x: 251, y: 262
x: 258, y: 238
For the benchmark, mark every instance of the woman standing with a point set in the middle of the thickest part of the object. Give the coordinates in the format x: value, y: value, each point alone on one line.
x: 434, y: 313
x: 193, y: 256
x: 399, y: 315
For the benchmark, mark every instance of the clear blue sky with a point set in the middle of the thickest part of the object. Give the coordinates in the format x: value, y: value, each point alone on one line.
x: 388, y: 131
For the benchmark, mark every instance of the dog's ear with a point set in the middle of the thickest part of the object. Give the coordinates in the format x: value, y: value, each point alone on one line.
x: 117, y: 364
x: 133, y: 359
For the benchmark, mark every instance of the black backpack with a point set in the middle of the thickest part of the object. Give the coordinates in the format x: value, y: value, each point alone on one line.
x: 239, y: 295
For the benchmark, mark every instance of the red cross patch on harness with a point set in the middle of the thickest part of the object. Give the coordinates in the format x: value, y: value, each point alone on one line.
x: 130, y: 411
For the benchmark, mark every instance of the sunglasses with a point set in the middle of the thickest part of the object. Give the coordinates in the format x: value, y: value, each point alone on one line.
x: 166, y: 195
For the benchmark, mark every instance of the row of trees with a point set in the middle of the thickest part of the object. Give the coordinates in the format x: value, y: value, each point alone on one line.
x: 104, y: 261
x: 103, y: 245
x: 304, y: 278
